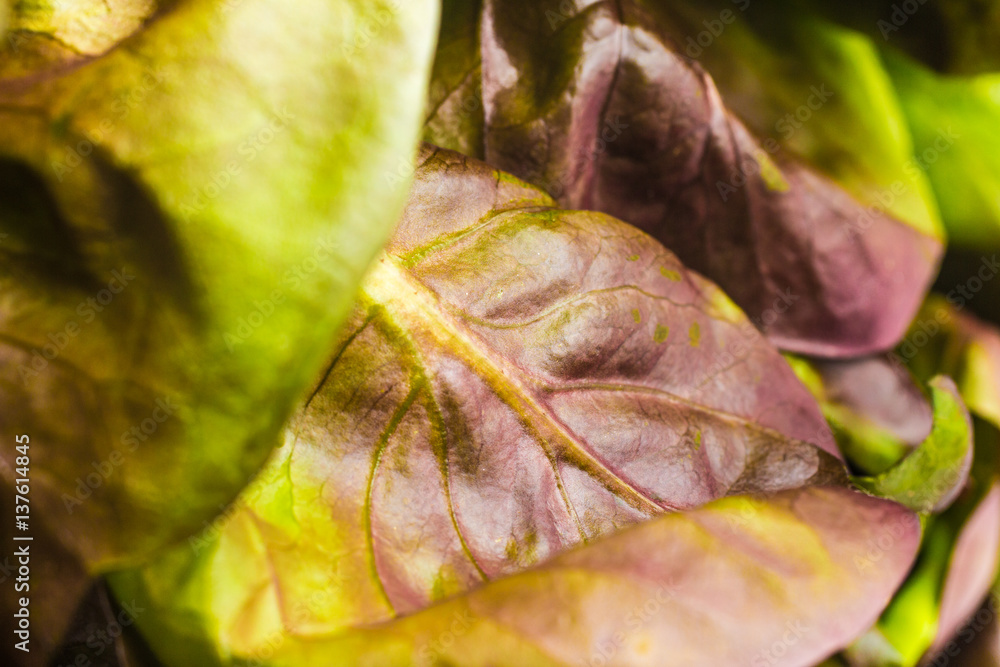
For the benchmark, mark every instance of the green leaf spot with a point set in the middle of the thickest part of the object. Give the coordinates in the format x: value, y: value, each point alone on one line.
x: 661, y: 333
x: 670, y: 275
x: 694, y: 333
x: 771, y: 175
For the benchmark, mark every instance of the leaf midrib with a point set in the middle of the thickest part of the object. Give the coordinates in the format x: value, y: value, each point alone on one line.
x: 415, y: 307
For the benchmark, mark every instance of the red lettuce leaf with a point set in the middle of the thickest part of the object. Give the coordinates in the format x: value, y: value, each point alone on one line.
x: 516, y: 381
x: 596, y: 105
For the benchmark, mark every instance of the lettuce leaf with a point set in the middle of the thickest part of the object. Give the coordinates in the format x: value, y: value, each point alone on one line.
x: 930, y: 477
x: 796, y: 576
x: 953, y: 121
x: 877, y: 412
x: 516, y: 380
x: 598, y: 106
x: 188, y: 204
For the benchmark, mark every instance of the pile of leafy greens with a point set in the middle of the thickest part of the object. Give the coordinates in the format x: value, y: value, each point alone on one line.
x: 490, y: 332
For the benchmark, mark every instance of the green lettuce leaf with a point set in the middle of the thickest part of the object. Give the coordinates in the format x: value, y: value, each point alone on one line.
x: 187, y: 205
x: 930, y: 477
x: 956, y: 37
x: 953, y: 121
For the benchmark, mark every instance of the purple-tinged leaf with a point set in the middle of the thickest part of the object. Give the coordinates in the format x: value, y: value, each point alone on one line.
x: 945, y: 340
x: 516, y: 380
x: 740, y: 582
x: 877, y: 411
x: 817, y: 91
x: 972, y: 569
x: 596, y: 105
